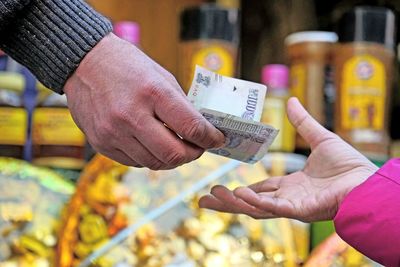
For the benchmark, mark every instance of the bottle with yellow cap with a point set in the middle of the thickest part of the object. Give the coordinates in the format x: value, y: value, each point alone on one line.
x: 56, y: 140
x: 13, y: 116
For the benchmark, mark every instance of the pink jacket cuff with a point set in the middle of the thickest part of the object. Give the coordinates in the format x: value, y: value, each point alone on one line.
x: 369, y: 216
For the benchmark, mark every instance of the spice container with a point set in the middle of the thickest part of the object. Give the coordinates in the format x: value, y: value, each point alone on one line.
x: 56, y: 140
x: 209, y: 37
x: 13, y: 116
x: 128, y: 31
x: 310, y: 58
x: 276, y: 78
x: 364, y: 68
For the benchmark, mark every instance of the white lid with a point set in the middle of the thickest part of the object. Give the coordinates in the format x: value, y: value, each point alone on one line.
x: 311, y: 36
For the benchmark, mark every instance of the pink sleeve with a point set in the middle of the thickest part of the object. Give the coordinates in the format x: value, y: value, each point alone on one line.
x: 369, y: 216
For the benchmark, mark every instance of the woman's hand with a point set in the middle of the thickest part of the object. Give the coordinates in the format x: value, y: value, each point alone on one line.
x: 332, y: 170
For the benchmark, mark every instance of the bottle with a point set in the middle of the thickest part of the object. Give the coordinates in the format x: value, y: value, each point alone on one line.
x: 209, y: 37
x: 276, y: 78
x: 56, y: 140
x: 310, y: 58
x: 129, y: 31
x: 364, y: 62
x: 13, y: 116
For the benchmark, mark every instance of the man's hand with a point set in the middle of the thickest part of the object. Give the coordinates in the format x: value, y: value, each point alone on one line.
x: 122, y: 100
x: 333, y: 169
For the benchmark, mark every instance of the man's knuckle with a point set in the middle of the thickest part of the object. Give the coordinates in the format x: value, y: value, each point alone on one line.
x: 155, y: 89
x: 138, y: 121
x: 104, y: 131
x: 195, y: 129
x: 155, y: 165
x: 175, y: 158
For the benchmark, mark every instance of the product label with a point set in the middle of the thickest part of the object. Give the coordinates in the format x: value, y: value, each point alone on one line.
x: 55, y: 126
x: 298, y: 82
x: 363, y: 93
x: 274, y: 115
x: 216, y: 59
x: 13, y: 126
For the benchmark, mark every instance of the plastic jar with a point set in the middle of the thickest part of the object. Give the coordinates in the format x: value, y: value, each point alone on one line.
x: 364, y: 62
x: 276, y: 78
x: 56, y: 140
x: 209, y: 37
x: 310, y: 58
x: 128, y: 31
x: 13, y: 116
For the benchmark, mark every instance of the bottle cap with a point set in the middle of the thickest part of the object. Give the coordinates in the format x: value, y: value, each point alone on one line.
x: 368, y: 24
x: 210, y: 21
x: 128, y: 30
x: 311, y: 36
x: 275, y: 76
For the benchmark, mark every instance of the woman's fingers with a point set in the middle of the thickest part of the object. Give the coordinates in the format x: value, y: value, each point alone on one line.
x: 222, y: 199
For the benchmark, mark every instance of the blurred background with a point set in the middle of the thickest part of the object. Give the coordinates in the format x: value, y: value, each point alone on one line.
x: 62, y: 205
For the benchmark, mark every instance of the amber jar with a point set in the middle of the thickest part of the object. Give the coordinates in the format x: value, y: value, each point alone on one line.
x: 209, y: 37
x: 13, y: 116
x: 310, y: 59
x: 56, y: 140
x: 364, y: 62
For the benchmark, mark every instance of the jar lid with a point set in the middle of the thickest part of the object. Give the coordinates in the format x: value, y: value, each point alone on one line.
x: 368, y: 24
x: 311, y: 36
x: 12, y: 81
x: 210, y: 21
x: 128, y: 30
x: 275, y: 76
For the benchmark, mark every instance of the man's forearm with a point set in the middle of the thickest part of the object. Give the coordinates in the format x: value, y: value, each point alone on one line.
x: 50, y: 37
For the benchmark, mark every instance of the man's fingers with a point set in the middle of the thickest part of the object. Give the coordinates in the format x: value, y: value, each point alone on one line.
x: 183, y: 119
x: 137, y: 152
x: 166, y: 145
x: 122, y: 158
x: 312, y: 132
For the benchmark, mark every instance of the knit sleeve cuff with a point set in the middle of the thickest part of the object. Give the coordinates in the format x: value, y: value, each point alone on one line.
x: 51, y: 37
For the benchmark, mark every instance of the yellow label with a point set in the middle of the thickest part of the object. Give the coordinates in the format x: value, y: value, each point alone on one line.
x: 214, y: 58
x: 298, y: 82
x: 363, y: 92
x: 274, y: 115
x: 55, y: 126
x: 13, y: 126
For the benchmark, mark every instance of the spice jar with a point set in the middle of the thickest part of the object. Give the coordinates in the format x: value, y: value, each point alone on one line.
x: 13, y: 116
x: 128, y: 31
x: 209, y: 37
x: 310, y: 58
x: 364, y: 69
x: 56, y: 140
x: 276, y: 78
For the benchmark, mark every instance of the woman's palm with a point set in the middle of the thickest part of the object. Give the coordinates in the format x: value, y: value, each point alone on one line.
x: 332, y: 170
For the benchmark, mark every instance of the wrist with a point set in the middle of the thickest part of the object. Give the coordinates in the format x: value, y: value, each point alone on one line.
x: 52, y: 37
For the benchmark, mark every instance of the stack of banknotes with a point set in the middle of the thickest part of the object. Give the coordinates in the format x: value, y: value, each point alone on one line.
x: 234, y: 107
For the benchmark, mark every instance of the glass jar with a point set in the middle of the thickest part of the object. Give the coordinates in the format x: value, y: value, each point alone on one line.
x: 13, y: 116
x: 56, y: 140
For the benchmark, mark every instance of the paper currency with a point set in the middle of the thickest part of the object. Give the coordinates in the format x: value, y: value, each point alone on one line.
x: 234, y: 107
x: 245, y: 140
x: 232, y: 96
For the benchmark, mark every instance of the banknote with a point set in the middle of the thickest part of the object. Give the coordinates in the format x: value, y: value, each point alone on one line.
x: 229, y: 95
x: 247, y: 141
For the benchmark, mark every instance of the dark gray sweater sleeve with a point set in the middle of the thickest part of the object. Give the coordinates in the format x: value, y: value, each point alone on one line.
x: 50, y: 37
